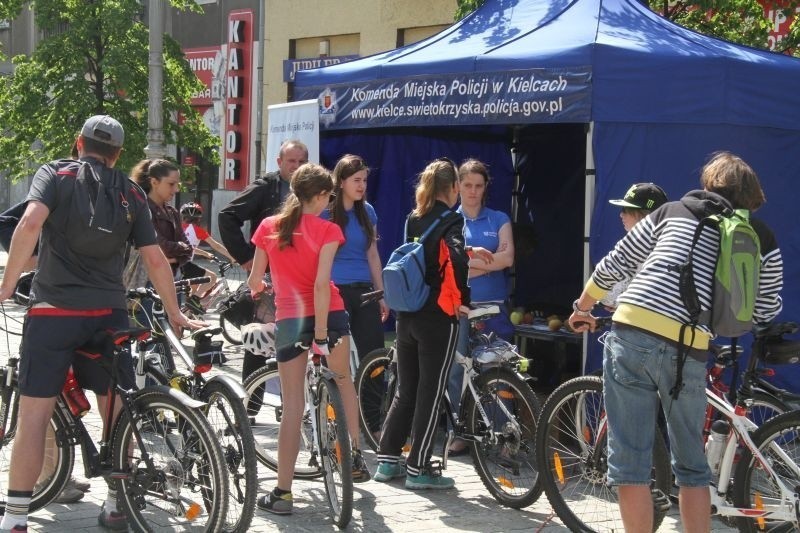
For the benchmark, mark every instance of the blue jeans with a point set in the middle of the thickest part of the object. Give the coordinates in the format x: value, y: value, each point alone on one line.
x: 639, y: 370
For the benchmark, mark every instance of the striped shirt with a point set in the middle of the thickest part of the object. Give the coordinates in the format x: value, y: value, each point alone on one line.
x: 659, y: 243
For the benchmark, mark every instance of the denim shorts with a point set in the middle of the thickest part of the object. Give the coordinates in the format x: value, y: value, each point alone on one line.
x: 638, y: 372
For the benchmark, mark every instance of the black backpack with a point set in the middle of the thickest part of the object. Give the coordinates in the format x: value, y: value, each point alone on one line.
x: 95, y: 217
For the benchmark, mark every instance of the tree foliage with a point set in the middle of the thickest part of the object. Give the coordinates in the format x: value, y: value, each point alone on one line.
x: 740, y: 21
x: 93, y: 59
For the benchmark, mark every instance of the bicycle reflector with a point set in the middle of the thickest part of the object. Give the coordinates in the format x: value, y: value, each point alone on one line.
x: 193, y: 511
x: 559, y: 467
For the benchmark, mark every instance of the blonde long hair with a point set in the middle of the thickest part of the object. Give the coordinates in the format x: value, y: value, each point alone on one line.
x: 437, y: 178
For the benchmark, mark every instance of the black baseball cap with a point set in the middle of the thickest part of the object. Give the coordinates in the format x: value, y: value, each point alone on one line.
x: 643, y: 196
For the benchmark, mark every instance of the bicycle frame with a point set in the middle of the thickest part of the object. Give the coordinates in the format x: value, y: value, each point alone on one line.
x: 741, y: 426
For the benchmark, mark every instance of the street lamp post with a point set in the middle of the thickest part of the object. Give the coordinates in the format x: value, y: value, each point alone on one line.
x: 155, y: 115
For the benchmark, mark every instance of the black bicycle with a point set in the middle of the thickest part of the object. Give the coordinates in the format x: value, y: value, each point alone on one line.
x: 160, y: 454
x: 222, y: 396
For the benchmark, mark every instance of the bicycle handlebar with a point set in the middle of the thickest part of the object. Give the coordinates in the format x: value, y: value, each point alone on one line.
x: 191, y: 281
x: 369, y: 297
x: 600, y: 322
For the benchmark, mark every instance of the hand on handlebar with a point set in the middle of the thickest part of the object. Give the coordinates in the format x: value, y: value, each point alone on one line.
x: 321, y: 347
x: 581, y: 323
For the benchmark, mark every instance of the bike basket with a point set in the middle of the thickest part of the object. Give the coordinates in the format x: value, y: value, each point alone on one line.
x: 783, y: 352
x: 496, y: 352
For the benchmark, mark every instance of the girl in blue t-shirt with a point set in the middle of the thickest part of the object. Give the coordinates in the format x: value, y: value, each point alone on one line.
x: 357, y: 265
x: 489, y: 282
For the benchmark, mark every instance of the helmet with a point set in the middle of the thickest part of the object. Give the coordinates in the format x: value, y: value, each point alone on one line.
x: 191, y: 210
x: 259, y: 339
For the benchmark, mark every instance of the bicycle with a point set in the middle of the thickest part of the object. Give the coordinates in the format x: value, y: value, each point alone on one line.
x: 497, y: 416
x: 219, y: 297
x: 571, y: 443
x: 222, y: 396
x: 160, y: 453
x: 325, y: 447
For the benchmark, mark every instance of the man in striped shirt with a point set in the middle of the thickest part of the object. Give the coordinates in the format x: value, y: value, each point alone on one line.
x: 643, y: 347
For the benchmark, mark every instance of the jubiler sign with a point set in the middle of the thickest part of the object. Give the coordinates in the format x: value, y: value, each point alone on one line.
x: 238, y: 89
x: 516, y: 97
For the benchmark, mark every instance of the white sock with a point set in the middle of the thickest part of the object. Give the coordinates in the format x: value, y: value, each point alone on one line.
x: 16, y: 511
x: 111, y: 501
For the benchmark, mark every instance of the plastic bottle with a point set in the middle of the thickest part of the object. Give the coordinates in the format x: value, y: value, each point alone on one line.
x: 717, y: 439
x: 73, y: 393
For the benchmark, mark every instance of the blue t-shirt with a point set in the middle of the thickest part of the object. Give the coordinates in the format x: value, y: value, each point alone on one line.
x: 484, y: 231
x: 350, y: 264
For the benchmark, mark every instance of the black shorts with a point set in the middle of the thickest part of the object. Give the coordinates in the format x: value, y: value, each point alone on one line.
x: 50, y: 337
x: 191, y: 270
x: 293, y: 336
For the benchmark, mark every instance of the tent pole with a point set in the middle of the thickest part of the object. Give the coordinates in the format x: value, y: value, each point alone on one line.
x: 514, y: 197
x: 588, y: 203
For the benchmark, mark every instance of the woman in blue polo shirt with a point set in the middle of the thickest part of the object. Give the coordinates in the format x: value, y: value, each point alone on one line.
x: 489, y: 282
x: 357, y: 265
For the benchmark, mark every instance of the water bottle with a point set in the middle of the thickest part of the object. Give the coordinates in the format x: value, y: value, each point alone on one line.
x: 717, y: 439
x: 73, y: 394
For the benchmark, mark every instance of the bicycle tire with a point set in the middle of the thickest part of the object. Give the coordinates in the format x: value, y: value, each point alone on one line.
x: 506, y: 464
x: 375, y: 383
x: 265, y: 422
x: 227, y: 416
x: 765, y: 407
x: 195, y: 474
x: 571, y: 452
x: 779, y: 432
x: 335, y: 452
x: 57, y: 466
x: 230, y: 331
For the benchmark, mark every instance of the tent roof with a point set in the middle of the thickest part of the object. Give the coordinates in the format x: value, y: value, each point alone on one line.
x: 642, y: 68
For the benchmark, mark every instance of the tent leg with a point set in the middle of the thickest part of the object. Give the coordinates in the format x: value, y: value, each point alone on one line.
x: 588, y: 203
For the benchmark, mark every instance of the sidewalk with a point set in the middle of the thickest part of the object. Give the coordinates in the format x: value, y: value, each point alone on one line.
x: 378, y: 507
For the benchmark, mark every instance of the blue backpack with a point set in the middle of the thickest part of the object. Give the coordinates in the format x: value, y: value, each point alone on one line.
x: 404, y: 286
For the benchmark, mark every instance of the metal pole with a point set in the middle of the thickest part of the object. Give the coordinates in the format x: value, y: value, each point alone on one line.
x: 155, y: 114
x: 588, y: 205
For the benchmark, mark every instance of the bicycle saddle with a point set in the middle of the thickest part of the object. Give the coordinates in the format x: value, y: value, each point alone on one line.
x: 102, y: 341
x: 206, y: 332
x: 483, y: 312
x: 775, y: 329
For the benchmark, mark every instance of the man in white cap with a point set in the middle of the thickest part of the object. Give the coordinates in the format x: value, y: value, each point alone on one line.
x: 86, y: 212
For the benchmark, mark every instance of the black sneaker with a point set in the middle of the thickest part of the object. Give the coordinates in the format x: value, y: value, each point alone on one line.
x: 360, y: 470
x: 276, y: 504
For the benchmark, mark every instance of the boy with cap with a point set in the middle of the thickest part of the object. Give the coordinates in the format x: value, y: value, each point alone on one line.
x: 77, y: 291
x: 640, y: 200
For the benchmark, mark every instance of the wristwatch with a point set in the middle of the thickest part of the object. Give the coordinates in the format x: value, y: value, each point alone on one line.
x: 579, y: 311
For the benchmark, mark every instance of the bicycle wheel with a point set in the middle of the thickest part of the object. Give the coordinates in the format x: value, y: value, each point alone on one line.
x: 753, y: 488
x: 765, y: 407
x: 335, y: 452
x: 230, y: 331
x: 58, y: 460
x: 571, y: 449
x: 375, y: 385
x: 227, y: 417
x: 263, y: 389
x: 505, y: 458
x: 175, y: 475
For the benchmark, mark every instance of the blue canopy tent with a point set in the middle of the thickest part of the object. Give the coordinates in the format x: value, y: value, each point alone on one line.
x: 567, y: 100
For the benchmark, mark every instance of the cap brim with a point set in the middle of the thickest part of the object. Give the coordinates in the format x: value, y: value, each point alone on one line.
x: 623, y: 203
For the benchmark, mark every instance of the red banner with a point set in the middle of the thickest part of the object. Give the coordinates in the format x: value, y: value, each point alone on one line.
x: 238, y: 89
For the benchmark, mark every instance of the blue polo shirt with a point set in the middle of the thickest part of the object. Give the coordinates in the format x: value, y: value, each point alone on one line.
x: 350, y: 264
x: 484, y: 231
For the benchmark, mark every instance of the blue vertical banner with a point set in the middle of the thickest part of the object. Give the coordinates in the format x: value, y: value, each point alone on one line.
x: 513, y: 97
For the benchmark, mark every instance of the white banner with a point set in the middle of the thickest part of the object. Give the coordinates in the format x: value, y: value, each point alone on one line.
x: 295, y: 120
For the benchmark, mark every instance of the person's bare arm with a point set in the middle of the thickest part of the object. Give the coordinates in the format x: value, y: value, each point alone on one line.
x: 160, y: 274
x: 23, y: 242
x: 501, y: 259
x: 322, y: 289
x: 218, y: 247
x: 375, y: 271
